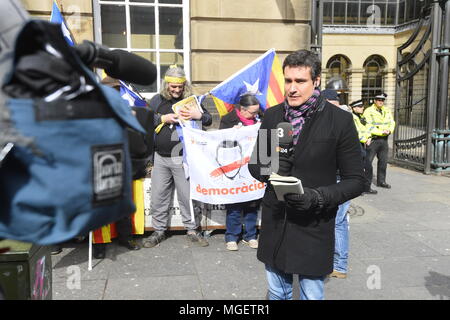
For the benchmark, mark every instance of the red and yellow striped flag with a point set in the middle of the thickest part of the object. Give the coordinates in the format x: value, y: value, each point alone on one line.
x: 275, y: 93
x: 106, y: 233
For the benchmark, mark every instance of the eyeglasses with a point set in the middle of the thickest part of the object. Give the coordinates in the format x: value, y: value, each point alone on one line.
x: 254, y: 113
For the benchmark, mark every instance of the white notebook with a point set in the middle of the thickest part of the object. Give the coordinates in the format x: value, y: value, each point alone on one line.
x: 283, y: 185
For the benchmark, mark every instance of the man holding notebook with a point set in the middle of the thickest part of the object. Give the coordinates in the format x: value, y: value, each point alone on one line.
x: 297, y: 234
x: 168, y: 172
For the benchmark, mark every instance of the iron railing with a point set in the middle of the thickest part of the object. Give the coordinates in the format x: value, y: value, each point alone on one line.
x: 422, y: 135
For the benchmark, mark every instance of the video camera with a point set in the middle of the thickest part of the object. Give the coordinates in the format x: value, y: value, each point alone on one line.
x: 65, y: 166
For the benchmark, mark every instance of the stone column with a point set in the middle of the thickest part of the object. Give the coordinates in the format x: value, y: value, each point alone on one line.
x: 389, y: 89
x: 355, y: 85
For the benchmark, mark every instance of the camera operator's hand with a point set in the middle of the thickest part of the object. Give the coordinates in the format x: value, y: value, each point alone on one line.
x: 310, y: 199
x: 169, y: 118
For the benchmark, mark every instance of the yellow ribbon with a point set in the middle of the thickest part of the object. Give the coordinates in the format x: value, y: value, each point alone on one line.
x: 159, y: 127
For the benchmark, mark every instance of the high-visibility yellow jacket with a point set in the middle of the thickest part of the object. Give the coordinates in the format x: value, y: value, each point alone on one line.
x: 379, y: 121
x: 363, y: 129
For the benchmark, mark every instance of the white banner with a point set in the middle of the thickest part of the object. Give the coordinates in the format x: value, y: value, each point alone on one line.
x: 213, y: 215
x: 218, y: 165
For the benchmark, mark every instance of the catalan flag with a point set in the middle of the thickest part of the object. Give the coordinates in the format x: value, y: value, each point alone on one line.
x: 127, y: 93
x: 263, y: 77
x: 106, y: 233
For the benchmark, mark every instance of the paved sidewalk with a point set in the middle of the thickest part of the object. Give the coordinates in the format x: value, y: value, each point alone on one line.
x: 399, y: 249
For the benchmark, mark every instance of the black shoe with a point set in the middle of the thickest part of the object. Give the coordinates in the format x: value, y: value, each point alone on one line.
x: 384, y: 185
x: 57, y: 249
x: 79, y: 239
x: 370, y: 191
x: 99, y: 250
x: 130, y: 244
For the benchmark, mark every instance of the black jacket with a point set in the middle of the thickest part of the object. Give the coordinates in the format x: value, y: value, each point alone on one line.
x: 303, y: 242
x: 229, y: 120
x: 167, y: 138
x: 141, y: 145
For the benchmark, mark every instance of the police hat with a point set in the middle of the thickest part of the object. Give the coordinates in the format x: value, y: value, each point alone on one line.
x: 380, y: 96
x: 357, y: 103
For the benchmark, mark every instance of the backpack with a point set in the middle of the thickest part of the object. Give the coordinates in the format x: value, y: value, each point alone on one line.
x: 76, y: 175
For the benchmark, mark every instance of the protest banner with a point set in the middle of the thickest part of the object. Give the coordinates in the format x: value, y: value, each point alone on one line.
x: 218, y: 165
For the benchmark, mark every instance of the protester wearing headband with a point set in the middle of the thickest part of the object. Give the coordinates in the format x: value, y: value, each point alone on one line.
x: 168, y: 173
x: 246, y: 113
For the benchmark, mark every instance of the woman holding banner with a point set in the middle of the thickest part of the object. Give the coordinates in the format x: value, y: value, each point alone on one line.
x: 245, y: 114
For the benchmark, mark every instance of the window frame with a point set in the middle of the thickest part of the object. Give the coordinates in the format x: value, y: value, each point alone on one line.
x: 185, y: 5
x: 381, y: 63
x: 344, y: 64
x: 362, y: 15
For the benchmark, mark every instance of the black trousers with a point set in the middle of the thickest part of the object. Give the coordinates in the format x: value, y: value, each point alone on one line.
x: 124, y: 227
x: 367, y: 166
x: 378, y: 147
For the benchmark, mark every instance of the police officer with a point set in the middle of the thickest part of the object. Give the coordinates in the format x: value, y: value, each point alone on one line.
x: 365, y: 138
x: 382, y: 124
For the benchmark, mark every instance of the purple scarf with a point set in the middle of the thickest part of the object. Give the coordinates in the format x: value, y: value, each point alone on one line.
x: 298, y: 115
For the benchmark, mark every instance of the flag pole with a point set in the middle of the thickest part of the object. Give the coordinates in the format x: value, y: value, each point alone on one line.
x: 135, y: 90
x: 191, y: 207
x: 90, y: 252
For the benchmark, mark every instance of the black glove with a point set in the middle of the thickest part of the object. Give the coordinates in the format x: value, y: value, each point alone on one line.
x: 310, y: 199
x: 285, y: 166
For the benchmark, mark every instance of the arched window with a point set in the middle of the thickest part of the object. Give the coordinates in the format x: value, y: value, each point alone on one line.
x: 373, y: 78
x: 338, y: 67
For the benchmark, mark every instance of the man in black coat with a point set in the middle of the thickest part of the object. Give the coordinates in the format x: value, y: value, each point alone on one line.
x: 297, y: 235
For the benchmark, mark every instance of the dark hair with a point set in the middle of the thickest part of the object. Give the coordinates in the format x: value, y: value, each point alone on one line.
x: 304, y: 58
x: 248, y: 100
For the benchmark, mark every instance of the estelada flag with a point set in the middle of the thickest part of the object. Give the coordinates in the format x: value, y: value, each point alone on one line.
x: 57, y: 17
x: 263, y: 77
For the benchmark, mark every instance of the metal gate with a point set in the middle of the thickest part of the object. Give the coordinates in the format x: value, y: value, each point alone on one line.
x: 422, y: 135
